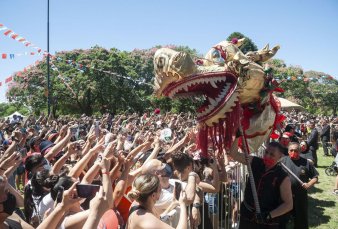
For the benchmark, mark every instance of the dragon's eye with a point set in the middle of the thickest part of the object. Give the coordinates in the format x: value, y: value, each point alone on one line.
x: 215, y: 54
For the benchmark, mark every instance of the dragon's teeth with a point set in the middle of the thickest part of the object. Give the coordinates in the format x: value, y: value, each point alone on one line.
x: 212, y: 101
x: 213, y: 84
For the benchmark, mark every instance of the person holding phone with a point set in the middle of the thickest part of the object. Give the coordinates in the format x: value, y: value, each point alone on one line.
x: 146, y: 190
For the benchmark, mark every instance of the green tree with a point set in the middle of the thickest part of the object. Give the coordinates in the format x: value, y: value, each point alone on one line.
x: 327, y: 96
x: 248, y: 44
x: 7, y: 109
x: 95, y: 81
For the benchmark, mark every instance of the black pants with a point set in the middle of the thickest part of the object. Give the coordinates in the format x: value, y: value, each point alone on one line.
x: 315, y: 158
x: 300, y: 214
x: 326, y: 148
x: 247, y: 221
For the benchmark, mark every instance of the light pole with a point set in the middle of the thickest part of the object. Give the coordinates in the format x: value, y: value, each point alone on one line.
x: 48, y: 67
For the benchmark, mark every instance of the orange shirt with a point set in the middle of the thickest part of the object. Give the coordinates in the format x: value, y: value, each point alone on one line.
x: 124, y: 206
x: 108, y: 221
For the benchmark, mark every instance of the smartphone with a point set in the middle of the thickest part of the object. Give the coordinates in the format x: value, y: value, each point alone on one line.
x: 99, y: 157
x: 135, y: 160
x: 87, y: 190
x: 178, y: 189
x: 97, y: 129
x: 59, y: 195
x: 73, y: 130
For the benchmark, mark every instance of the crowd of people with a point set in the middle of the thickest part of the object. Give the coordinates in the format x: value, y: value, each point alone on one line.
x: 145, y: 171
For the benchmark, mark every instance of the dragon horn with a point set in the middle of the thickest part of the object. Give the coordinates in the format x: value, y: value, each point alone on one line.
x: 266, y: 48
x: 240, y: 42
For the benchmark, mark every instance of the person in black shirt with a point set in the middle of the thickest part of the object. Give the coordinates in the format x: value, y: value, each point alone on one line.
x: 305, y: 153
x: 284, y: 141
x: 312, y: 141
x: 273, y: 189
x: 293, y: 134
x: 325, y: 137
x: 306, y: 173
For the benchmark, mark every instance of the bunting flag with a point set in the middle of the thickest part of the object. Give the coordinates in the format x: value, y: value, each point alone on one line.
x: 304, y: 78
x: 11, y: 56
x: 82, y: 68
x: 10, y: 33
x: 9, y: 79
x: 63, y: 79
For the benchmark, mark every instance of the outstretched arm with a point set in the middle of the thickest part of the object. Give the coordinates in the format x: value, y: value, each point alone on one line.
x: 236, y: 155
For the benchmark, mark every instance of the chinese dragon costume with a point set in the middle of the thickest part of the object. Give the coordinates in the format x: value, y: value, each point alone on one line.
x: 236, y: 88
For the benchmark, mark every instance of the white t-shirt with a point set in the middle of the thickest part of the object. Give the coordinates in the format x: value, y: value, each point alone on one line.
x: 46, y: 203
x: 42, y: 206
x: 166, y: 198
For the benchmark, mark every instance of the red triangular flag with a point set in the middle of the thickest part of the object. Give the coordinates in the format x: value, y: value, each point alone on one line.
x: 4, y: 56
x: 0, y: 84
x: 21, y: 39
x: 8, y: 32
x: 14, y: 36
x: 9, y: 79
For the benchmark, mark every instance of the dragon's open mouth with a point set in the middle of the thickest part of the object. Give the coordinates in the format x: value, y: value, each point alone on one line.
x: 216, y: 88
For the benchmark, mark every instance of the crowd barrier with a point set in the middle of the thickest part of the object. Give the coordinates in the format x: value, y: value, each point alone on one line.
x: 224, y: 207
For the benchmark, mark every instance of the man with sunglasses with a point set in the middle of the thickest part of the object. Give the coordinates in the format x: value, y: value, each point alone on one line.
x: 273, y: 188
x: 307, y: 173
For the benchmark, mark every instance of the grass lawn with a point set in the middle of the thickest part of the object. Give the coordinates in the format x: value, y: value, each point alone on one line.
x: 323, y: 205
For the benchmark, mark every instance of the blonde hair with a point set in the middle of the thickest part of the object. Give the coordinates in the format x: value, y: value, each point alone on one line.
x: 143, y: 186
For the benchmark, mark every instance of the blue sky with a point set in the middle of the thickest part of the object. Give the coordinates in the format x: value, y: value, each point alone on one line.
x: 306, y: 30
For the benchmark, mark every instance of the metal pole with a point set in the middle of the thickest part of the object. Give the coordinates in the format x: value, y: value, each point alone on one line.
x: 251, y: 177
x: 292, y: 174
x: 48, y: 69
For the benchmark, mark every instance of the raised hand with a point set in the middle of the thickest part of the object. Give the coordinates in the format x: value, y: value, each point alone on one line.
x: 70, y: 196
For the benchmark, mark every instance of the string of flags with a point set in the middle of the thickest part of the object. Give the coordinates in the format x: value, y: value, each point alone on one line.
x: 65, y: 80
x: 303, y: 78
x: 10, y: 33
x: 11, y: 56
x: 82, y: 68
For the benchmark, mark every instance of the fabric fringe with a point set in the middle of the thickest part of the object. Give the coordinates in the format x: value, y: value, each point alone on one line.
x: 220, y: 135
